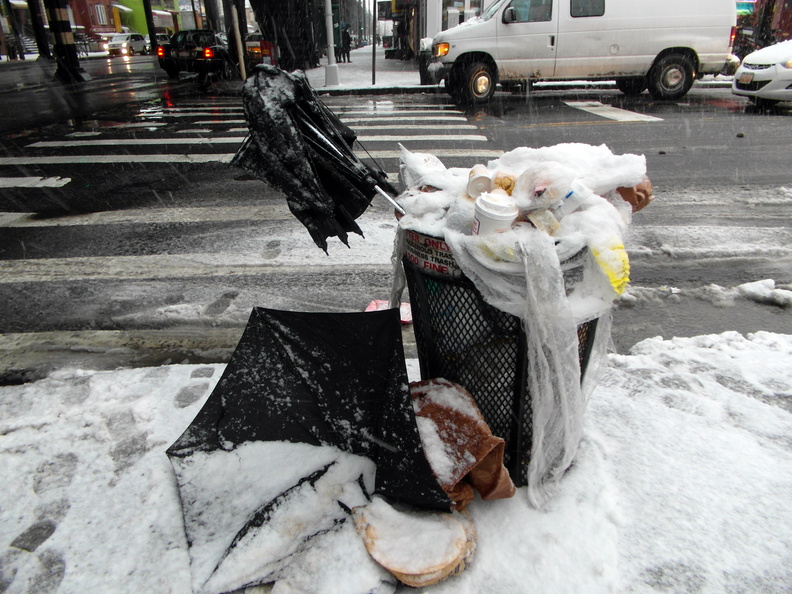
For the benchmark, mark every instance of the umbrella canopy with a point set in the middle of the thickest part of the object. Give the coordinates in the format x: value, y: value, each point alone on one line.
x: 298, y: 146
x: 314, y: 379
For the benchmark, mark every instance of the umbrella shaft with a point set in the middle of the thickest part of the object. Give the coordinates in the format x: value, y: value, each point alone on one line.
x: 388, y: 197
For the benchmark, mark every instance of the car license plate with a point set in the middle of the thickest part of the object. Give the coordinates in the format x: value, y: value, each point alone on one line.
x: 185, y: 53
x: 746, y: 78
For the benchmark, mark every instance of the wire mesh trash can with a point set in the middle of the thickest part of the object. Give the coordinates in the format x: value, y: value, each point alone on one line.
x: 465, y: 340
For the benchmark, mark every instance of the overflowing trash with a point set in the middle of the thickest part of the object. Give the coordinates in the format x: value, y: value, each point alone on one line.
x: 537, y: 234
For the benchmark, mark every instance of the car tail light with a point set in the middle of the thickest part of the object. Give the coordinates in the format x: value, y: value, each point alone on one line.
x: 208, y: 53
x: 732, y: 37
x: 160, y: 51
x: 268, y: 53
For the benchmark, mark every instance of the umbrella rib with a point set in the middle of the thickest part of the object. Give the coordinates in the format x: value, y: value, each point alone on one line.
x: 263, y: 513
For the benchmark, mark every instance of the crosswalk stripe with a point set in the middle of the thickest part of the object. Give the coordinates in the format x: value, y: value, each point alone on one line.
x: 111, y: 159
x: 426, y: 127
x: 383, y: 118
x: 137, y: 125
x: 229, y: 140
x: 218, y: 122
x: 341, y: 108
x: 439, y: 153
x: 374, y: 119
x: 136, y: 141
x: 238, y: 109
x: 387, y: 112
x: 216, y: 157
x: 33, y: 182
x: 424, y: 137
x: 612, y: 113
x: 202, y: 114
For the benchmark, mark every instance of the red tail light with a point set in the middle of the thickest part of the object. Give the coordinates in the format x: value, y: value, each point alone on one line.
x: 732, y: 37
x: 268, y: 53
x: 208, y: 52
x: 160, y: 51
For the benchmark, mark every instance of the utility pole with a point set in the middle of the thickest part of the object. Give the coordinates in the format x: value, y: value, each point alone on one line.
x: 69, y: 69
x: 150, y: 24
x: 37, y: 22
x: 331, y: 70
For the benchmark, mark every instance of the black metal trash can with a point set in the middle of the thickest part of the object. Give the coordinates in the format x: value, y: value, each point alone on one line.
x: 464, y: 339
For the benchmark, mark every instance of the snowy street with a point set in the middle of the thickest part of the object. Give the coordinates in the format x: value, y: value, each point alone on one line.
x: 132, y: 253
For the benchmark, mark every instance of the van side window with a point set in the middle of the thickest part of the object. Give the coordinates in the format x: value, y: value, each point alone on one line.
x: 532, y: 11
x: 587, y: 8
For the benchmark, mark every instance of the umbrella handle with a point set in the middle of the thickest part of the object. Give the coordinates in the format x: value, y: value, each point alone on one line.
x: 388, y: 197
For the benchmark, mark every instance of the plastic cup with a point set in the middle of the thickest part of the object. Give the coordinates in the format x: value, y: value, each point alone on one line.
x: 494, y: 213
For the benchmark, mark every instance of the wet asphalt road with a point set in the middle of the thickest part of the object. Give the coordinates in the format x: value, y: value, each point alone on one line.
x: 155, y: 249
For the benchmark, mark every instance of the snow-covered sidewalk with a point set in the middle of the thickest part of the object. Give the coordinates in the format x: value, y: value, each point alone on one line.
x: 682, y: 482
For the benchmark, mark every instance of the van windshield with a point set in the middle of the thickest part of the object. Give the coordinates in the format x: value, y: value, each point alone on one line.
x: 490, y: 12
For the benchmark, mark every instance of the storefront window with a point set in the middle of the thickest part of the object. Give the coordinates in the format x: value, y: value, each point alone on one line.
x: 101, y: 14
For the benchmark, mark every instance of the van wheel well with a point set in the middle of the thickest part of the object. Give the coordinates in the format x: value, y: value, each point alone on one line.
x: 462, y: 87
x: 672, y: 74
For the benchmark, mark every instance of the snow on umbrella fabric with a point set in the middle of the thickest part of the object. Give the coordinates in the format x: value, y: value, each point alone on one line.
x: 298, y: 146
x: 315, y: 379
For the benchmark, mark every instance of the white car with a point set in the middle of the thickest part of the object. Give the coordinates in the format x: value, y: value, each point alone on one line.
x: 765, y: 76
x: 126, y: 44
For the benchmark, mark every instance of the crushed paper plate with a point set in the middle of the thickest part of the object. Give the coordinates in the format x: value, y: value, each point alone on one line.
x: 405, y: 312
x: 420, y: 548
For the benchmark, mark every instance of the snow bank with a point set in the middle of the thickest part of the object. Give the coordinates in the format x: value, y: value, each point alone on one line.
x: 682, y: 482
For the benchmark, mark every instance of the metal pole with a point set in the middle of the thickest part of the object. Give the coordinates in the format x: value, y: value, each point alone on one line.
x: 238, y: 40
x: 69, y: 69
x: 36, y: 20
x: 331, y: 70
x: 152, y: 30
x: 374, y: 43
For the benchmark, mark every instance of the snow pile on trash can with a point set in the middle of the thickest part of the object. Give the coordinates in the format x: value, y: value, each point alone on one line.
x: 567, y: 208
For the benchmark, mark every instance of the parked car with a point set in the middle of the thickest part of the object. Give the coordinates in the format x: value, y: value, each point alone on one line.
x: 196, y: 50
x: 125, y: 44
x: 162, y: 39
x: 765, y: 76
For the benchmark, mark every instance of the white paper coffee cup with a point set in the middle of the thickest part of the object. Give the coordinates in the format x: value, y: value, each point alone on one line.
x: 494, y: 213
x: 479, y: 181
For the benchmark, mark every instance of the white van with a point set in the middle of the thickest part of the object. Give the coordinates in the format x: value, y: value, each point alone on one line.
x: 662, y: 45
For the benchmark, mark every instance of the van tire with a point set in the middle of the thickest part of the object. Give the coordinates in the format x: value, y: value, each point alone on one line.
x: 479, y: 83
x: 631, y: 85
x: 172, y: 72
x: 671, y: 77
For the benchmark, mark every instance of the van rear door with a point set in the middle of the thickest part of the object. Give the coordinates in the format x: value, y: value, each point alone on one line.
x: 527, y: 31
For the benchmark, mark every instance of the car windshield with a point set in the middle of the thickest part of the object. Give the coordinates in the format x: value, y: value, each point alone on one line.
x: 490, y: 12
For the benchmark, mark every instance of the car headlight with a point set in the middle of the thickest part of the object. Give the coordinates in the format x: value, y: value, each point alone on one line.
x: 787, y: 64
x: 106, y: 46
x: 441, y: 49
x: 124, y: 45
